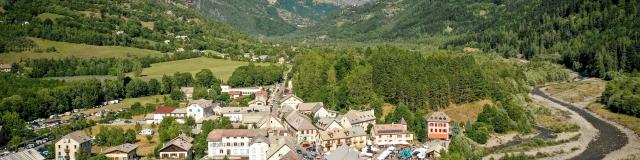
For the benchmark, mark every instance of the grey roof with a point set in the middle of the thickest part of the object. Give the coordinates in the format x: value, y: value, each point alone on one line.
x: 290, y: 96
x: 438, y: 117
x: 78, y: 136
x: 343, y: 152
x: 324, y: 123
x: 181, y: 141
x: 126, y: 148
x: 356, y: 116
x: 342, y: 133
x: 278, y: 142
x: 187, y: 90
x: 266, y: 120
x: 299, y: 121
x: 202, y: 103
x: 29, y: 154
x: 310, y: 106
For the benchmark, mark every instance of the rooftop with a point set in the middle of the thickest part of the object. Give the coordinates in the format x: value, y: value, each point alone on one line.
x: 218, y: 134
x: 356, y: 116
x: 78, y: 136
x: 29, y: 154
x: 126, y: 148
x: 383, y: 129
x: 187, y: 90
x: 299, y: 121
x: 438, y: 117
x: 164, y: 110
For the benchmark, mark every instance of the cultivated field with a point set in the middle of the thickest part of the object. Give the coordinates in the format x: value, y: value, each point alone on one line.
x: 65, y: 50
x: 222, y: 69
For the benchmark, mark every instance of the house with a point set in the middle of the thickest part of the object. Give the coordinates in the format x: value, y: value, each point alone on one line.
x: 315, y: 109
x: 258, y: 101
x: 237, y: 114
x: 302, y: 127
x: 162, y: 112
x: 391, y: 134
x: 327, y: 123
x: 188, y: 92
x: 438, y: 126
x: 434, y: 147
x: 354, y: 137
x: 237, y: 143
x: 146, y: 131
x: 200, y: 109
x: 125, y: 151
x: 71, y: 144
x: 29, y: 154
x: 270, y: 122
x: 177, y: 148
x: 262, y: 94
x: 283, y: 148
x: 281, y: 60
x: 238, y: 92
x: 5, y: 67
x: 357, y: 118
x: 290, y: 101
x: 344, y: 152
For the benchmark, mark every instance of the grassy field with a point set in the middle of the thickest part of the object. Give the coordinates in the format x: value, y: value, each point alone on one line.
x: 578, y: 91
x: 465, y: 112
x: 221, y: 68
x: 65, y: 50
x: 51, y: 16
x: 144, y: 146
x: 626, y: 120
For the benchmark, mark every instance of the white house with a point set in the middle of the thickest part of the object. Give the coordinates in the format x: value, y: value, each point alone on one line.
x: 146, y: 131
x: 301, y: 125
x: 270, y: 122
x: 237, y: 114
x: 315, y: 109
x: 237, y: 143
x: 357, y: 118
x: 245, y: 91
x: 290, y: 101
x: 188, y: 92
x: 200, y: 109
x: 328, y: 123
x: 162, y: 112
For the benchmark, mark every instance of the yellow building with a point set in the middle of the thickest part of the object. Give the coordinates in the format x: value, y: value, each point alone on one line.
x: 352, y: 137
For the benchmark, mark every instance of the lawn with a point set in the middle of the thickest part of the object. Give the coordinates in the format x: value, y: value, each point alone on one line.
x: 221, y: 68
x: 578, y: 91
x: 628, y: 121
x: 65, y: 50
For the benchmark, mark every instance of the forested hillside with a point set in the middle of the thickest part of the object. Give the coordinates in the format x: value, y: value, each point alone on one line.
x: 365, y: 77
x: 271, y: 18
x: 592, y: 37
x: 149, y: 24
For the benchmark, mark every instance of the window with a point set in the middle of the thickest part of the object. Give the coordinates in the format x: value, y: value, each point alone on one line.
x: 445, y: 130
x: 221, y: 151
x: 431, y: 130
x: 59, y: 146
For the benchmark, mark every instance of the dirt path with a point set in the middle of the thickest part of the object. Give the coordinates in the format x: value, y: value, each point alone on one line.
x: 609, y: 139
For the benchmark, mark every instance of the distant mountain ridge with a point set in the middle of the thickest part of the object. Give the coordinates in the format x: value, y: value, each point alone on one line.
x: 272, y: 17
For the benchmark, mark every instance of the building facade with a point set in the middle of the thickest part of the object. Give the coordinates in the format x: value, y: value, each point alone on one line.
x: 236, y: 143
x: 391, y: 134
x: 438, y: 126
x: 68, y: 147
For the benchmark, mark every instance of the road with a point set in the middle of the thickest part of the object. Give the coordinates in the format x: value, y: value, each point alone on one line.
x: 609, y: 138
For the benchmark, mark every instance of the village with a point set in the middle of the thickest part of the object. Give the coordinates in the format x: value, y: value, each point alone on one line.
x: 275, y: 125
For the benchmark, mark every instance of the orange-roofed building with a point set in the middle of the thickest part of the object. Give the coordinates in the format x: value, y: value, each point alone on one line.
x: 438, y: 126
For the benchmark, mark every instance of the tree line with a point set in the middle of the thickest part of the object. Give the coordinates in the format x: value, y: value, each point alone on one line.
x: 252, y: 75
x: 622, y: 94
x: 73, y: 66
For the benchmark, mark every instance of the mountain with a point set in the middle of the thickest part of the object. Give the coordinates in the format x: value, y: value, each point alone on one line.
x: 271, y: 17
x: 166, y: 26
x: 590, y: 36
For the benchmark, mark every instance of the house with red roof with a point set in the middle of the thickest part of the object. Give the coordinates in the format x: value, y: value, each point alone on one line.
x: 179, y: 113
